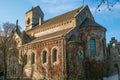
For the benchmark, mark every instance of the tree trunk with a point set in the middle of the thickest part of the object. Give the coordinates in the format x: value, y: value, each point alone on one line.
x: 22, y: 71
x: 5, y: 65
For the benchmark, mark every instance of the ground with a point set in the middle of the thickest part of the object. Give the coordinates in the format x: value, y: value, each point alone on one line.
x: 114, y: 77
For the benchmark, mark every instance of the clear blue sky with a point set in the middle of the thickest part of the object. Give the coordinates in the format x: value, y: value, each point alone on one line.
x: 11, y: 10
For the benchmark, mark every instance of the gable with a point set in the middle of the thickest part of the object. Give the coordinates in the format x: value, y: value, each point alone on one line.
x: 82, y: 15
x: 17, y: 39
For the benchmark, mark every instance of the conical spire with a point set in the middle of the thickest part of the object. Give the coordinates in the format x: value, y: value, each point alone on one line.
x: 17, y: 24
x: 17, y: 27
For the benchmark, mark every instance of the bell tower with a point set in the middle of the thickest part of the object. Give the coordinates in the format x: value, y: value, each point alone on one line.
x: 33, y: 17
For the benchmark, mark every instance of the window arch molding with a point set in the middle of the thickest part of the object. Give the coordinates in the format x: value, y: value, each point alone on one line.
x: 44, y: 56
x: 92, y: 46
x: 54, y: 54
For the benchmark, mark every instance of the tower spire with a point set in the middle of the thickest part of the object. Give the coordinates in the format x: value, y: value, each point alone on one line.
x: 17, y: 22
x: 16, y: 26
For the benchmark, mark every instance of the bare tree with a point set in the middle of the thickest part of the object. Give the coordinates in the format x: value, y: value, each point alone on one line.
x: 5, y: 43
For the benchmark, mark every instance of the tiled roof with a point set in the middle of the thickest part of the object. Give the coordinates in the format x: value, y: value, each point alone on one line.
x: 60, y: 18
x: 88, y: 22
x: 52, y: 35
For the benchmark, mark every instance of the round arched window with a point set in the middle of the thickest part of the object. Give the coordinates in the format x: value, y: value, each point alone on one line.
x: 33, y: 58
x: 54, y: 55
x: 28, y: 21
x: 25, y: 59
x: 92, y: 44
x: 44, y: 57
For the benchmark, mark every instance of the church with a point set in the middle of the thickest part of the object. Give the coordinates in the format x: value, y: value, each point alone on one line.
x: 54, y: 49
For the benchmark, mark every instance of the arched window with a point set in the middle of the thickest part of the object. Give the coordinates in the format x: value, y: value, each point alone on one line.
x: 113, y: 45
x: 25, y: 59
x: 54, y: 55
x: 92, y: 44
x: 28, y: 21
x: 33, y: 58
x: 44, y: 58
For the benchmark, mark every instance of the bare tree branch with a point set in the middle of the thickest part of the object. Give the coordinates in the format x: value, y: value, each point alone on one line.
x: 108, y: 3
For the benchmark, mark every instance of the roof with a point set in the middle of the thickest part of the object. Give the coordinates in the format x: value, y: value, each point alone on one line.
x: 17, y: 30
x: 26, y: 38
x: 37, y: 7
x: 52, y: 35
x: 88, y: 22
x: 60, y: 18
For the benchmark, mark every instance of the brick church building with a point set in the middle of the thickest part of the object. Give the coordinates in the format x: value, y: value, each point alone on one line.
x: 53, y: 49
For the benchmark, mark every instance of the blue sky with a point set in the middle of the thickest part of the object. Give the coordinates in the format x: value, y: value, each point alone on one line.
x: 11, y: 10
